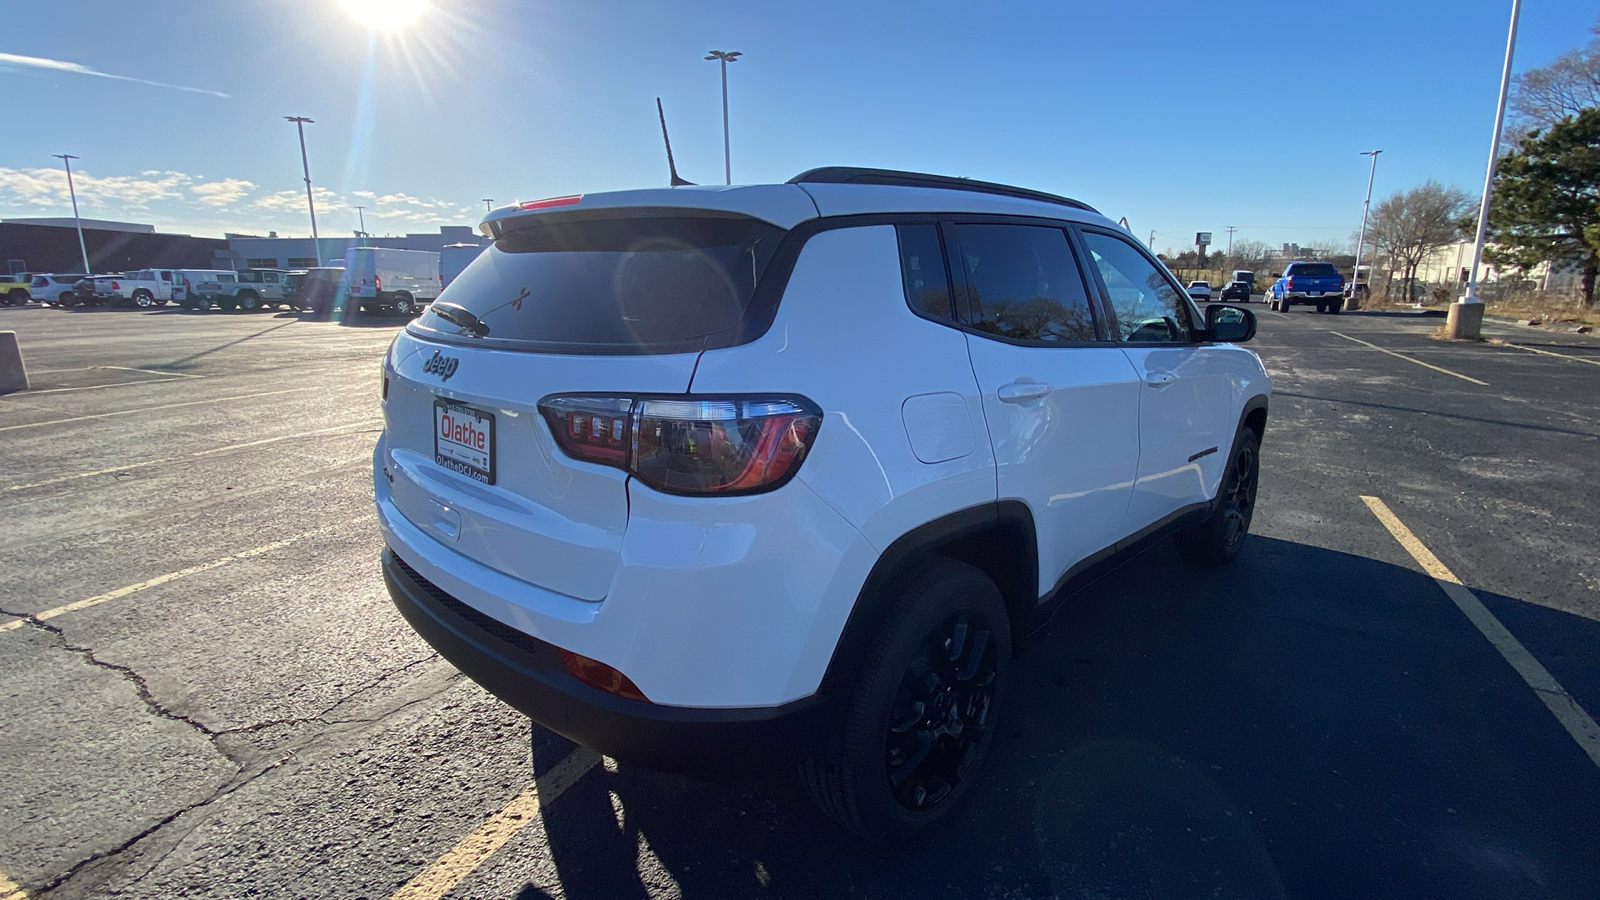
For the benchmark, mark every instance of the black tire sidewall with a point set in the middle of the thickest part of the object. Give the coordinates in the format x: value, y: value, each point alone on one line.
x: 946, y: 588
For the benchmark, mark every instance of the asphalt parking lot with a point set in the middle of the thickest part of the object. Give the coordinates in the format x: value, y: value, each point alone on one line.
x: 206, y: 692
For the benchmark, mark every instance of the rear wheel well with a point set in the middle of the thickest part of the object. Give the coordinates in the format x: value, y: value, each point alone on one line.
x: 997, y: 539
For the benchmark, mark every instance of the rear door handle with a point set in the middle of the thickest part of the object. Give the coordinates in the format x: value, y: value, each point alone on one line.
x: 1020, y: 391
x: 1159, y: 379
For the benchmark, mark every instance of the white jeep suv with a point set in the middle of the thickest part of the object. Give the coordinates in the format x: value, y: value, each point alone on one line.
x: 720, y: 480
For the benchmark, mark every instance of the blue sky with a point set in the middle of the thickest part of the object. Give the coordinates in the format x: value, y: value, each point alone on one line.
x: 1180, y: 116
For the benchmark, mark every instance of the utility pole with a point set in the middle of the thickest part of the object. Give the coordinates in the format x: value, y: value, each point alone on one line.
x: 488, y: 204
x: 1355, y: 277
x: 725, y: 56
x: 68, y: 158
x: 300, y: 123
x: 1152, y: 242
x: 1465, y: 318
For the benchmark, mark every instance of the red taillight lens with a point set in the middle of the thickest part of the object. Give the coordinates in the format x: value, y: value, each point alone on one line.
x: 1289, y: 285
x: 553, y: 201
x: 377, y: 282
x: 115, y: 286
x: 597, y: 674
x: 689, y: 445
x: 593, y: 429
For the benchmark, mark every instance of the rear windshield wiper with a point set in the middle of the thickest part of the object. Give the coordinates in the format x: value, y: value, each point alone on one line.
x: 456, y: 314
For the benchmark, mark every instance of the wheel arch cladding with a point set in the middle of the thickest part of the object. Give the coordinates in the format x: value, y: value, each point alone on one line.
x: 1255, y: 417
x: 996, y: 538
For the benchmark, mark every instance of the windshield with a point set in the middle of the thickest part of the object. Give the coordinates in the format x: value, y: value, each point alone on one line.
x: 634, y: 283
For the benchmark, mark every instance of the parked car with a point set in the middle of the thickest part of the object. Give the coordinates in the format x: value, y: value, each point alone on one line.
x: 727, y: 481
x: 249, y: 290
x: 184, y: 291
x: 317, y: 290
x: 1236, y: 290
x: 87, y: 291
x: 53, y: 289
x: 1316, y: 284
x: 1200, y: 290
x: 403, y: 281
x: 14, y: 289
x: 145, y: 287
x: 1247, y: 276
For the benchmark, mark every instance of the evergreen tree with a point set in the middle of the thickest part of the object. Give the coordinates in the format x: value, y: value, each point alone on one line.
x: 1546, y: 203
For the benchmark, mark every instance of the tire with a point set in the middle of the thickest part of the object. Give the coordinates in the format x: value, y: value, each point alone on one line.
x: 404, y: 305
x: 143, y: 299
x: 1219, y: 538
x: 228, y: 304
x: 17, y: 297
x: 249, y: 301
x: 911, y: 687
x: 1335, y: 307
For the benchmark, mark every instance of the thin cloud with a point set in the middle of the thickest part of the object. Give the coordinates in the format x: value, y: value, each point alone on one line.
x: 13, y: 61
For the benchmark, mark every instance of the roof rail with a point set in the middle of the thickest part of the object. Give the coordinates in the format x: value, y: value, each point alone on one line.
x: 855, y: 175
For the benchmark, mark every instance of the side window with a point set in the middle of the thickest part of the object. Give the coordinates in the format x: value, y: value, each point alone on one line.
x: 1024, y: 283
x: 165, y: 275
x: 269, y: 277
x: 923, y: 270
x: 1146, y: 305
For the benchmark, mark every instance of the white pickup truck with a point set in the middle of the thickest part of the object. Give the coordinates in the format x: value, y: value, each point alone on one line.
x: 249, y: 290
x: 146, y: 287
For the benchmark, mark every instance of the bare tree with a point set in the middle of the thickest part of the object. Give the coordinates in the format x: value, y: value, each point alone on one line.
x: 1411, y: 224
x: 1546, y: 95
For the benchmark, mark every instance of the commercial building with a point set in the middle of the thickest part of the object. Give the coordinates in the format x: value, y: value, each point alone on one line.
x: 51, y: 245
x: 272, y: 252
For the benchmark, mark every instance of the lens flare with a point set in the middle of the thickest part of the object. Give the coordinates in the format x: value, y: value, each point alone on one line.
x: 385, y: 15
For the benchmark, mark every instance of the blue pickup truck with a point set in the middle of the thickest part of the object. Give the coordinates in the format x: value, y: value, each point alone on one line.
x: 1316, y: 284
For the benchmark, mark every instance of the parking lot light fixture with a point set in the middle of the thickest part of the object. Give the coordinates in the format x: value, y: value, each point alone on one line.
x: 1361, y: 236
x: 68, y: 158
x: 1466, y: 315
x: 300, y: 123
x: 725, y: 56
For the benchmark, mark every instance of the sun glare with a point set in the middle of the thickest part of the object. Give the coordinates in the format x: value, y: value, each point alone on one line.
x: 385, y: 15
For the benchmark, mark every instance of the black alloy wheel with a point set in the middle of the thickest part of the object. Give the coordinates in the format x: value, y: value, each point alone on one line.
x: 1218, y: 539
x: 941, y: 712
x: 923, y: 713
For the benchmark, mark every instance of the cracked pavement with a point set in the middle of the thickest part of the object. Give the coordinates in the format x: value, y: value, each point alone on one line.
x: 1316, y: 720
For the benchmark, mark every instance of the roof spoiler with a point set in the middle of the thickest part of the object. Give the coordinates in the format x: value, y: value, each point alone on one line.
x: 854, y: 175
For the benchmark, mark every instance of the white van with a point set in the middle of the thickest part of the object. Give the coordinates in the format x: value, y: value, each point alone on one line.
x: 184, y: 282
x: 402, y: 280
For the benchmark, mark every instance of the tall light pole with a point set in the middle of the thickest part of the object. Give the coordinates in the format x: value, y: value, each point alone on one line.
x: 361, y: 213
x: 1361, y: 236
x: 300, y: 122
x: 725, y: 56
x: 1465, y: 319
x: 488, y: 204
x: 68, y: 158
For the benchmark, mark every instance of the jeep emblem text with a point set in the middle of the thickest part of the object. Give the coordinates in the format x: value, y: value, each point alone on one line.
x: 442, y: 366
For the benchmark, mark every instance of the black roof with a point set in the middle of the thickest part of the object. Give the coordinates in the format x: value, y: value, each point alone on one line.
x: 854, y: 175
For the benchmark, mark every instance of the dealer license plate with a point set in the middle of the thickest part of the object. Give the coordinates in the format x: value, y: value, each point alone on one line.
x: 1313, y: 293
x: 463, y: 439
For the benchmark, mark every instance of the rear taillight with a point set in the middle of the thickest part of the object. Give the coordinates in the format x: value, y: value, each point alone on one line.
x: 377, y: 282
x: 115, y: 286
x: 1289, y: 285
x: 688, y: 444
x: 597, y: 674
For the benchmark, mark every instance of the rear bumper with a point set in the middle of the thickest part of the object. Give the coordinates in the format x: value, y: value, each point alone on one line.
x: 1309, y: 297
x: 528, y: 674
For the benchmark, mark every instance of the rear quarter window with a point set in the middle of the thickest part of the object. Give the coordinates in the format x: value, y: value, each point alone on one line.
x: 626, y: 284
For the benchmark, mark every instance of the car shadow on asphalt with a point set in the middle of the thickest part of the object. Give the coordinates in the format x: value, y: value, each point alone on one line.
x: 1303, y: 722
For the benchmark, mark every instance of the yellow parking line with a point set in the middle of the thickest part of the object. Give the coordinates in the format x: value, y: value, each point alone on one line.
x: 129, y: 412
x: 98, y: 599
x: 1592, y: 362
x: 470, y: 852
x: 1561, y: 704
x: 1412, y: 359
x: 9, y: 889
x: 199, y: 453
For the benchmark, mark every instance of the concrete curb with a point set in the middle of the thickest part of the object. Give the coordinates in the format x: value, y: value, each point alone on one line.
x: 13, y: 374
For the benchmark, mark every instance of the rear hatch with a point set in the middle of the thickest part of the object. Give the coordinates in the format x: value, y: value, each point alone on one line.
x: 616, y: 304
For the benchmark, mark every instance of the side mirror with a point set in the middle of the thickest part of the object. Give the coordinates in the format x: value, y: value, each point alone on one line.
x: 1230, y: 324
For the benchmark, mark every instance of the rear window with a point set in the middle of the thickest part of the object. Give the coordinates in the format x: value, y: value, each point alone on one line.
x: 1313, y: 269
x: 621, y: 284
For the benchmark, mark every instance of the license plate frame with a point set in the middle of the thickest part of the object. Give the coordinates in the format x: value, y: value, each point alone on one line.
x: 455, y: 447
